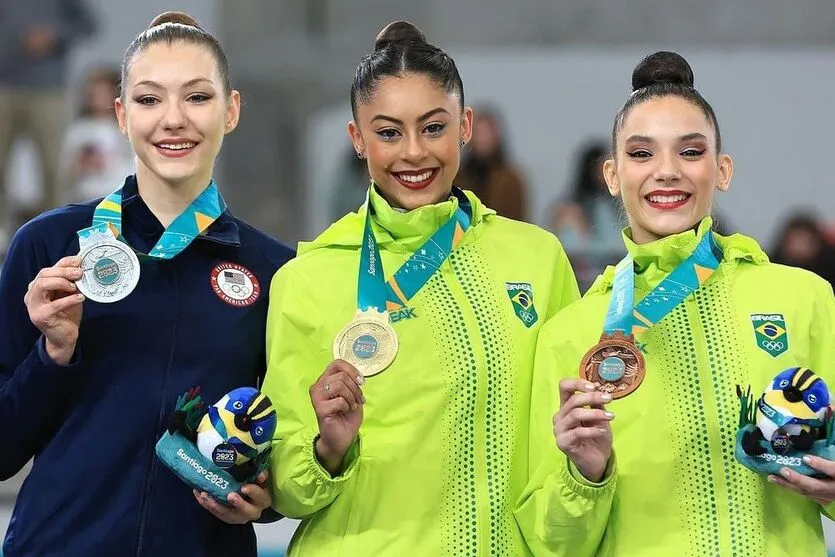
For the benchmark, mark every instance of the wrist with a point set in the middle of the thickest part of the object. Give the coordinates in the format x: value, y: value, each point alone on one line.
x: 330, y: 459
x: 61, y: 355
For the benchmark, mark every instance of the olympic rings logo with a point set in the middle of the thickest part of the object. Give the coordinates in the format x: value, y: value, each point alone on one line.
x: 772, y: 345
x: 526, y: 316
x: 239, y: 290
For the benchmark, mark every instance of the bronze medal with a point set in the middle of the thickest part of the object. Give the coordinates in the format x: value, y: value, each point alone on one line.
x: 614, y: 365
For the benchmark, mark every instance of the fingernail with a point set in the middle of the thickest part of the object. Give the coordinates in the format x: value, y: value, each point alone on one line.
x: 610, y: 415
x: 606, y: 397
x: 360, y: 379
x: 807, y: 459
x: 363, y: 400
x: 80, y: 296
x: 786, y: 473
x: 589, y: 386
x: 772, y: 479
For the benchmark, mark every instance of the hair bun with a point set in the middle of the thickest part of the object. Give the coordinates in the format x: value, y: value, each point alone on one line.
x: 397, y: 32
x: 180, y: 18
x: 662, y: 67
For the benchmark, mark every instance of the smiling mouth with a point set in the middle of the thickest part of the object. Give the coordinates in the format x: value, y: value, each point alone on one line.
x: 175, y: 150
x: 667, y: 201
x: 416, y: 180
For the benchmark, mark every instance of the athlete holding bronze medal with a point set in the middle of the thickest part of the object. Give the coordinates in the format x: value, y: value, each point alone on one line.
x: 645, y: 461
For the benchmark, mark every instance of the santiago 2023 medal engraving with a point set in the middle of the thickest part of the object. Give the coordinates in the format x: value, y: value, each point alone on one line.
x: 614, y: 365
x: 368, y: 342
x: 110, y: 269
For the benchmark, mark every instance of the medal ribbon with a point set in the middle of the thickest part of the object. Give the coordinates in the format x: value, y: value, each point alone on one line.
x: 678, y: 285
x: 196, y: 218
x: 372, y: 288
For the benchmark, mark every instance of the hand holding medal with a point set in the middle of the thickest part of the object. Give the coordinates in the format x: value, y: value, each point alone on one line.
x: 582, y: 427
x: 337, y: 400
x: 55, y: 307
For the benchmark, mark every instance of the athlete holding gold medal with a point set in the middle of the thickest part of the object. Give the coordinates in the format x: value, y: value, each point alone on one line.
x: 423, y: 309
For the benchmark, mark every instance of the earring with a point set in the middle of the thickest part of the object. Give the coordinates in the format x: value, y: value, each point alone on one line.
x: 360, y: 155
x: 463, y: 143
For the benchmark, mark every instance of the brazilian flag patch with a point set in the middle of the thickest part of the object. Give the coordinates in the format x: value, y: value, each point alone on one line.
x: 770, y: 333
x: 521, y: 295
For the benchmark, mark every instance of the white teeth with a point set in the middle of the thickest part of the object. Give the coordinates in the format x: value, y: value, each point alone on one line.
x: 667, y: 198
x: 415, y: 178
x: 177, y: 146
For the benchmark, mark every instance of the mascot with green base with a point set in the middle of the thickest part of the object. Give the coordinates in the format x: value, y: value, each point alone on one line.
x: 220, y: 449
x: 790, y: 420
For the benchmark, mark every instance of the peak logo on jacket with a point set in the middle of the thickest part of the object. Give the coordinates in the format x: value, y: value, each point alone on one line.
x: 521, y: 296
x: 235, y: 284
x: 770, y: 333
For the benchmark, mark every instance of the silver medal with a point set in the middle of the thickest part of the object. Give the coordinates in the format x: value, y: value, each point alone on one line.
x: 110, y: 269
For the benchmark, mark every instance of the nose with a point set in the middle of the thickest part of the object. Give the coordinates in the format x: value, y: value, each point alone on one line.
x: 174, y: 117
x: 667, y: 169
x: 414, y: 149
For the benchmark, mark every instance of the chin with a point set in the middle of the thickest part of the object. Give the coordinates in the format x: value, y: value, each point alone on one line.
x: 412, y: 199
x: 670, y: 226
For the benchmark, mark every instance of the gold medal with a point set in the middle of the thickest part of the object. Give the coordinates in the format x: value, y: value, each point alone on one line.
x: 614, y: 365
x: 368, y: 342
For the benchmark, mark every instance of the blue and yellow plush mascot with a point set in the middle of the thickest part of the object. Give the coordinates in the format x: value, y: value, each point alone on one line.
x: 791, y: 419
x: 219, y: 449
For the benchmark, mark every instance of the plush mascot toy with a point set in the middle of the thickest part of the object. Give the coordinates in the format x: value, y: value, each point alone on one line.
x: 791, y: 419
x: 220, y: 449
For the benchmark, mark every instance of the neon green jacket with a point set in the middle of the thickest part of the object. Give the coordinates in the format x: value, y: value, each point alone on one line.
x: 674, y: 487
x: 442, y: 451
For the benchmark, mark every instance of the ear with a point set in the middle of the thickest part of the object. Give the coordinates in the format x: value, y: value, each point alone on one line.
x: 466, y: 131
x: 233, y: 112
x: 726, y: 172
x: 120, y: 115
x: 356, y: 137
x: 610, y: 174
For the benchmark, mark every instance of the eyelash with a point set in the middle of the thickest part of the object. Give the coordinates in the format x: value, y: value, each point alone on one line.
x: 389, y: 134
x: 690, y: 153
x: 197, y: 98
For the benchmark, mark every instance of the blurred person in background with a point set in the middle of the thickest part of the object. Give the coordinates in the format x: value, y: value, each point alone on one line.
x: 89, y: 386
x: 802, y: 243
x: 349, y: 186
x: 36, y: 39
x: 587, y: 220
x: 96, y: 156
x: 425, y: 455
x: 487, y: 171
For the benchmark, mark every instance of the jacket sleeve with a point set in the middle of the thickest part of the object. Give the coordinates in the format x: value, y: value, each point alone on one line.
x: 296, y: 356
x: 33, y: 389
x: 822, y: 347
x: 564, y: 290
x: 560, y: 513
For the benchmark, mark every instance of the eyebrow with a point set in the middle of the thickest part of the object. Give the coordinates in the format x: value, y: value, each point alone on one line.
x: 647, y: 139
x: 194, y: 81
x: 394, y: 120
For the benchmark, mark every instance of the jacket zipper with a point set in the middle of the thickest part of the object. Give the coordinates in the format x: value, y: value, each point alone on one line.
x: 149, y: 481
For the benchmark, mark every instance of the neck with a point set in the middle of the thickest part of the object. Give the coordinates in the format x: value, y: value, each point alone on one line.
x: 167, y: 200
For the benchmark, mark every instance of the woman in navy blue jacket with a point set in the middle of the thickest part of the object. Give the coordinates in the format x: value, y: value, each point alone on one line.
x: 98, y: 339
